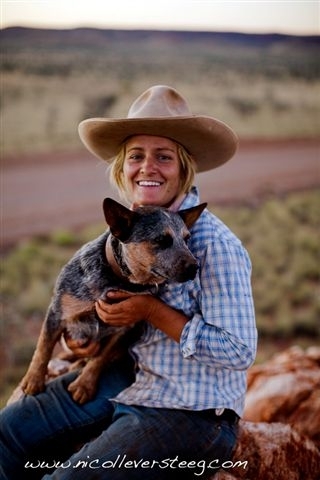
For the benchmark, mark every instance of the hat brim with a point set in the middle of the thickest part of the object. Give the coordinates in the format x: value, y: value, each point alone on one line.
x: 210, y: 141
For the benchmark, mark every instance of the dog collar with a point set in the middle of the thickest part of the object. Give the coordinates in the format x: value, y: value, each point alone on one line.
x: 114, y: 261
x: 122, y: 271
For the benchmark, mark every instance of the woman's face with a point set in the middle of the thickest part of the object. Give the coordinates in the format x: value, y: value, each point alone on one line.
x: 151, y: 170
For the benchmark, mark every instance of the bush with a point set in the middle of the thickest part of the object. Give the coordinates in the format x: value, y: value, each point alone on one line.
x: 282, y: 238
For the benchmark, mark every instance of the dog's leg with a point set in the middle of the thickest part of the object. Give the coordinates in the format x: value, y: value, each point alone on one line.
x: 83, y: 388
x: 34, y: 380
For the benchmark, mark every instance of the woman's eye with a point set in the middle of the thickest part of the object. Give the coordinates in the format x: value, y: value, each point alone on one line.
x: 164, y: 158
x: 135, y: 157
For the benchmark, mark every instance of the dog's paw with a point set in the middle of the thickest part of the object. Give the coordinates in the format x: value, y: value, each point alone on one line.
x: 32, y: 386
x: 81, y: 391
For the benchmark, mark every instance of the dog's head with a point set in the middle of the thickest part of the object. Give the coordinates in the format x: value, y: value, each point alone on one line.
x: 153, y: 241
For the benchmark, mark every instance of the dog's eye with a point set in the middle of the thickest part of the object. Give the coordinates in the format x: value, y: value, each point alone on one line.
x: 164, y: 241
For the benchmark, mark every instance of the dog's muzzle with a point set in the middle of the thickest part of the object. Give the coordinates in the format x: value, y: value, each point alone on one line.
x: 188, y: 272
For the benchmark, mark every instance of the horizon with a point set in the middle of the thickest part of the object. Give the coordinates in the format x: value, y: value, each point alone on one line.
x: 154, y: 29
x: 294, y: 17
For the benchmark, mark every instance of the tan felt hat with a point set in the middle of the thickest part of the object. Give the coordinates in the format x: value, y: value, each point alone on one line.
x: 162, y: 111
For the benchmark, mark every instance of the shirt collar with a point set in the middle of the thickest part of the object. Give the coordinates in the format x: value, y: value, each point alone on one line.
x: 191, y: 199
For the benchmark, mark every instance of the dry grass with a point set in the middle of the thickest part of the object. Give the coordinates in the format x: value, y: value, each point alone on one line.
x: 49, y: 86
x: 40, y: 113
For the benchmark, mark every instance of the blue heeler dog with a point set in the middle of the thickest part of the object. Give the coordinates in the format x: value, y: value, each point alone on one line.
x: 140, y: 250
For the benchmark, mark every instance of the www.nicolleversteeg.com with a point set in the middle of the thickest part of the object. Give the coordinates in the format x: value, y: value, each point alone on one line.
x: 200, y: 466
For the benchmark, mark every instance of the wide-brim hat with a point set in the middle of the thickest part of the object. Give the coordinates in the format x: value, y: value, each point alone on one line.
x: 163, y: 112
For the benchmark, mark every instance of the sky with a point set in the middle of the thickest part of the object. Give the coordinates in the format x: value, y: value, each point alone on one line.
x: 301, y: 17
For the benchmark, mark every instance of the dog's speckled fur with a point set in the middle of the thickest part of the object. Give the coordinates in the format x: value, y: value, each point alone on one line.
x: 148, y: 248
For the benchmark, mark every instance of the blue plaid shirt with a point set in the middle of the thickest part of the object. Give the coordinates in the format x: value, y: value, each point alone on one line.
x: 207, y: 369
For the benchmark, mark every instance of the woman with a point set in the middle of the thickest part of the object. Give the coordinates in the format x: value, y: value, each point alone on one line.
x: 175, y: 414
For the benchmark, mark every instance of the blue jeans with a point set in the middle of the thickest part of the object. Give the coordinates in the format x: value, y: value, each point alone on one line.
x: 39, y: 435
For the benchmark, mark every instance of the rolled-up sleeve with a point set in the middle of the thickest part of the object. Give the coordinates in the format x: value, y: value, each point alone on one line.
x: 223, y: 333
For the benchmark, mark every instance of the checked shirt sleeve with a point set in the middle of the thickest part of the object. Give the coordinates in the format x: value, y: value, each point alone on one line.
x: 223, y: 332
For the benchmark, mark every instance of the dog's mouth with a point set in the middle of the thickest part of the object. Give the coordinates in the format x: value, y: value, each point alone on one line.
x: 159, y: 275
x: 188, y: 273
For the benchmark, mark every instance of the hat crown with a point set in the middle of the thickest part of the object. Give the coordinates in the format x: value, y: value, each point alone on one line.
x: 159, y: 101
x: 162, y: 111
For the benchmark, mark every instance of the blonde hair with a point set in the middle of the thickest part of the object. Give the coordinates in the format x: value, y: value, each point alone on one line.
x: 188, y: 169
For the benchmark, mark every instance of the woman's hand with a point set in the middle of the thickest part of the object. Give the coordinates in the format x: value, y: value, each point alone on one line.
x: 132, y: 308
x: 124, y: 309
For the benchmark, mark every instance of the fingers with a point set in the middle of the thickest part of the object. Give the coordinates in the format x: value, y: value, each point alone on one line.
x: 101, y: 309
x: 117, y: 314
x: 127, y: 310
x: 115, y: 296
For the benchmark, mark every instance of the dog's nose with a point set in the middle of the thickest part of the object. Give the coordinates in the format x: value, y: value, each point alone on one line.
x: 191, y: 271
x: 188, y: 272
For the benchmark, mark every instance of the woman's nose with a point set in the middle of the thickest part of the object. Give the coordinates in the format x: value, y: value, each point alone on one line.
x: 148, y: 165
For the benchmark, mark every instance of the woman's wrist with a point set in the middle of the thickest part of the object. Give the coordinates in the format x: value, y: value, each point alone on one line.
x: 165, y: 318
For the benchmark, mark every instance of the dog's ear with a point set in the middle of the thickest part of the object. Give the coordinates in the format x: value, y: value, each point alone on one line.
x: 191, y: 215
x: 119, y: 218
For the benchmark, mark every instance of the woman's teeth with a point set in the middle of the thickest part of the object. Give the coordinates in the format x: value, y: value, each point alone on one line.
x: 148, y: 183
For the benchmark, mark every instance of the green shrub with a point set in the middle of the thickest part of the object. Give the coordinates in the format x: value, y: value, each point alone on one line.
x: 282, y: 237
x: 63, y: 237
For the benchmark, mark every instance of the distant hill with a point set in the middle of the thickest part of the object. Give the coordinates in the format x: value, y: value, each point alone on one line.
x: 86, y: 37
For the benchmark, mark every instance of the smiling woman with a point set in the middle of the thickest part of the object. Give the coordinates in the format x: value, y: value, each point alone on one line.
x: 179, y: 390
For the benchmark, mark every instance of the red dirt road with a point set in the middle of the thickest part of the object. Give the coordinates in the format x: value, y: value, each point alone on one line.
x: 42, y: 193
